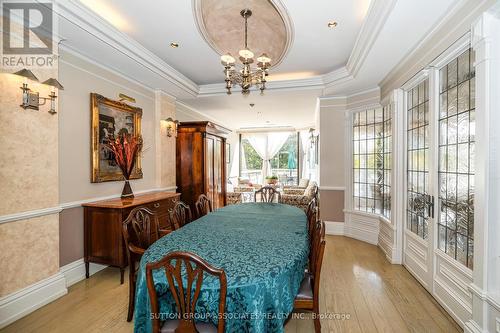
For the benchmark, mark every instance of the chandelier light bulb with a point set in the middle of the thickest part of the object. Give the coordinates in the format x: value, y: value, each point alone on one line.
x: 264, y: 59
x: 246, y: 54
x: 227, y: 59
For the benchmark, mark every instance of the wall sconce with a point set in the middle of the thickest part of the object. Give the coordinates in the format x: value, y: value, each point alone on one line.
x: 171, y: 126
x: 31, y: 99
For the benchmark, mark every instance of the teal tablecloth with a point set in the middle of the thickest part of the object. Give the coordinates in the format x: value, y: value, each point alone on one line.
x: 262, y: 247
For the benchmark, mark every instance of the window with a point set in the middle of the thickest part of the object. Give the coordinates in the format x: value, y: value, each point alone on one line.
x: 456, y: 158
x: 371, y: 161
x: 282, y: 150
x: 417, y: 100
x: 250, y: 162
x: 387, y: 162
x: 285, y: 162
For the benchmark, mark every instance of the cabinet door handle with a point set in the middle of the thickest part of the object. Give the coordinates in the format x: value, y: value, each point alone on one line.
x: 156, y: 205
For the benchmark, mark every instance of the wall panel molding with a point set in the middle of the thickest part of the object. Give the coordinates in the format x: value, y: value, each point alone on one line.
x: 57, y: 209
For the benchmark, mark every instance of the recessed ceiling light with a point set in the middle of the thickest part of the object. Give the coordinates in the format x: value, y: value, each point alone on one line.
x: 174, y: 45
x: 332, y: 24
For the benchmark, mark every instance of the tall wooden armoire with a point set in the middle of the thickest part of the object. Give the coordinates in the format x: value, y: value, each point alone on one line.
x: 201, y: 162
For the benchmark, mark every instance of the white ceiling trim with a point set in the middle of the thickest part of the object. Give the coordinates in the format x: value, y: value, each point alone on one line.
x: 75, y: 53
x: 376, y: 17
x: 89, y: 21
x: 378, y: 13
x: 451, y: 24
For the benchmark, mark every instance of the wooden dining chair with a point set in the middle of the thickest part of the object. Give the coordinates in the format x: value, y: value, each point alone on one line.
x: 312, y: 218
x: 203, y: 206
x: 185, y: 302
x: 308, y: 295
x: 267, y: 194
x: 140, y: 229
x: 311, y: 207
x: 180, y: 215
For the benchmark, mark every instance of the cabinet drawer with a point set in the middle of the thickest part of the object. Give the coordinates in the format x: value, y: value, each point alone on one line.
x: 161, y: 208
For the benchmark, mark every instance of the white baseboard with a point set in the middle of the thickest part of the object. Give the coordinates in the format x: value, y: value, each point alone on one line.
x: 31, y: 298
x: 22, y: 302
x: 75, y: 272
x: 334, y: 228
x: 472, y: 327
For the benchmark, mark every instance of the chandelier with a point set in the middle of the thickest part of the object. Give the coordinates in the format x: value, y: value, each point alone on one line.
x: 247, y: 76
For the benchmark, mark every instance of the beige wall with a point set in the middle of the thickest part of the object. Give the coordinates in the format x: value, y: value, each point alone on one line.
x: 80, y: 78
x: 332, y: 205
x: 29, y: 248
x: 70, y: 235
x: 332, y: 142
x: 331, y: 113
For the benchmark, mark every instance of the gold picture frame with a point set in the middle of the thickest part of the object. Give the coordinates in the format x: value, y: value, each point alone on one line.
x: 108, y: 119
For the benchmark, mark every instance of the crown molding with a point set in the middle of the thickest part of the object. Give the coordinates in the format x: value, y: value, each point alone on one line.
x: 376, y: 17
x: 450, y: 28
x: 89, y: 21
x: 378, y: 13
x: 92, y: 23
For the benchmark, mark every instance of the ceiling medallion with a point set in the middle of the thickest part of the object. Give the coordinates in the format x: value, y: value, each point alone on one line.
x: 247, y: 76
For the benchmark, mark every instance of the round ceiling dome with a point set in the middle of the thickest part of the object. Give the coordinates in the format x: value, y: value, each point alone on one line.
x: 269, y: 28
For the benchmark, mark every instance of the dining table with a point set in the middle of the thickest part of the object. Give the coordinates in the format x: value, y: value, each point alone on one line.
x: 263, y: 249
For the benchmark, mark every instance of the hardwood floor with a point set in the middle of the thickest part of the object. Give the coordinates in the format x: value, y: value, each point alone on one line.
x: 357, y: 281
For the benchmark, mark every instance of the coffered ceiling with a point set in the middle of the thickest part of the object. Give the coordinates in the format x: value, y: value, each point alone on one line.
x: 133, y: 38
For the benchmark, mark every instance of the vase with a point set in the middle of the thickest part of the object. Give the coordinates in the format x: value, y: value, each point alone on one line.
x: 127, y: 190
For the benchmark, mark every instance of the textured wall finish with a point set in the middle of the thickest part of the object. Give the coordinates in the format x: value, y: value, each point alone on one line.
x: 28, y: 149
x: 29, y: 252
x: 222, y: 26
x: 29, y: 249
x: 166, y: 158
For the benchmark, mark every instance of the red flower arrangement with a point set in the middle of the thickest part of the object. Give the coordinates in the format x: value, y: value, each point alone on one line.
x: 125, y: 149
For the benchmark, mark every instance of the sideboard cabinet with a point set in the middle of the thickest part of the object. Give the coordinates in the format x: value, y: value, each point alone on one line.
x: 201, y: 162
x: 103, y: 241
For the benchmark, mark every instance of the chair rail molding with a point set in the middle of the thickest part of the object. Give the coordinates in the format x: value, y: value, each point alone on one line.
x: 57, y: 209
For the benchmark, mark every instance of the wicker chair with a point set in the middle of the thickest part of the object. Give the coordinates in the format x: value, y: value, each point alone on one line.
x: 234, y: 198
x: 300, y: 198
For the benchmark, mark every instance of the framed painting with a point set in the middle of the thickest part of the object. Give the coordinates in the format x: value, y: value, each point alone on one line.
x: 109, y: 120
